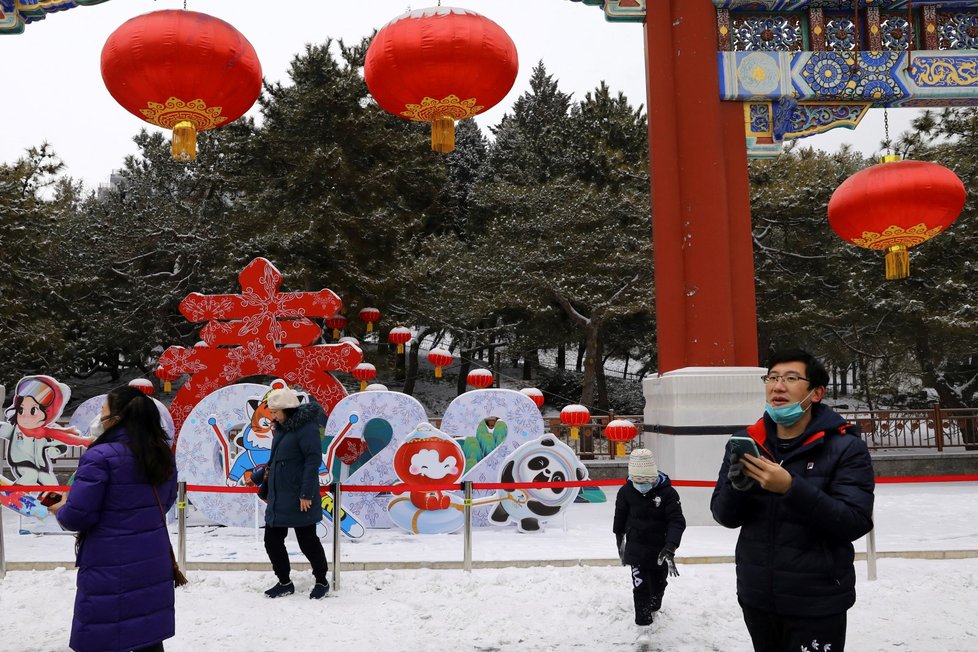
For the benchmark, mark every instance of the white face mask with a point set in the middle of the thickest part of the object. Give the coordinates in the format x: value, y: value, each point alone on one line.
x: 95, y: 428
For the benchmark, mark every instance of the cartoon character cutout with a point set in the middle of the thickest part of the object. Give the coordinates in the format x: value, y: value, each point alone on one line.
x: 546, y: 459
x: 35, y: 439
x: 254, y: 442
x: 429, y: 457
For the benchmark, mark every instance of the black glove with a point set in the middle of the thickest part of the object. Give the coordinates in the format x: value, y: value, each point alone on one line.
x: 668, y: 557
x: 735, y: 473
x: 620, y: 541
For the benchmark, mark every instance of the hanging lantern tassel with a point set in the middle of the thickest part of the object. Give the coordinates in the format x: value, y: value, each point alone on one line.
x: 336, y: 333
x: 443, y: 134
x: 363, y: 385
x: 437, y: 372
x: 620, y: 449
x: 574, y: 433
x: 184, y: 145
x: 370, y: 327
x: 897, y: 263
x: 167, y: 386
x: 400, y: 349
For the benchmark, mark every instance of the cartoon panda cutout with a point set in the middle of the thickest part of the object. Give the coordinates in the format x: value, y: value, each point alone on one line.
x: 546, y: 459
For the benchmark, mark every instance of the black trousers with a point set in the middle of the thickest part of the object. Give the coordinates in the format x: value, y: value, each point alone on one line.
x: 309, y: 544
x: 648, y: 587
x: 773, y: 633
x: 152, y: 648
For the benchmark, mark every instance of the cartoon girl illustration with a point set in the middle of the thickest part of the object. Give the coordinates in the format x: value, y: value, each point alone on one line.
x: 30, y: 428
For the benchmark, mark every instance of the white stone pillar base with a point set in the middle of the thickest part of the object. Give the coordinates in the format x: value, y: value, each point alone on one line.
x: 689, y: 415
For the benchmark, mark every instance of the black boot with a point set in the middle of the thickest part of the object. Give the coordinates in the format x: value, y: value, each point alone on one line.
x: 319, y: 590
x: 280, y: 589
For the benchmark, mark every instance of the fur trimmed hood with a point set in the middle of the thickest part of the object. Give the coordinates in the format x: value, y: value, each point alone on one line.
x: 303, y: 414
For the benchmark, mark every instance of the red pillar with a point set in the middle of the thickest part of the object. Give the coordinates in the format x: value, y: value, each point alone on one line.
x: 704, y: 270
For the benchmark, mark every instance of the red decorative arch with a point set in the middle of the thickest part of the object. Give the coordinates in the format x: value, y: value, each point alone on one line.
x: 259, y: 332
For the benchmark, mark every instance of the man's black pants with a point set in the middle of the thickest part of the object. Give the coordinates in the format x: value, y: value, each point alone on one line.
x: 773, y: 633
x: 309, y: 544
x: 648, y: 587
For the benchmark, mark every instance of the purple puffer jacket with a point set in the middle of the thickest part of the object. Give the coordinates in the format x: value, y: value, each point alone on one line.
x: 125, y: 577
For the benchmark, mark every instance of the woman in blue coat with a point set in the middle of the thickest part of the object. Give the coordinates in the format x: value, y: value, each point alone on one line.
x: 125, y: 481
x: 291, y: 481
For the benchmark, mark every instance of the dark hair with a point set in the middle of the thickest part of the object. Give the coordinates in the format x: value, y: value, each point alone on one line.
x: 814, y: 369
x: 138, y: 414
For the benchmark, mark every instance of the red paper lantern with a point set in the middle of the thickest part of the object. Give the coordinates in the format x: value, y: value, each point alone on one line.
x: 181, y: 70
x: 143, y: 385
x: 439, y: 65
x: 163, y: 374
x: 535, y: 395
x: 479, y: 378
x: 337, y: 323
x: 620, y: 431
x: 400, y: 336
x: 364, y: 372
x: 896, y: 205
x: 440, y: 358
x: 575, y: 416
x: 369, y: 316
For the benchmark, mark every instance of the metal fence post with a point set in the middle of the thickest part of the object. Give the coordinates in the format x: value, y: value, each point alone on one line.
x: 182, y: 526
x: 337, y: 517
x: 871, y: 555
x: 467, y: 532
x: 3, y: 554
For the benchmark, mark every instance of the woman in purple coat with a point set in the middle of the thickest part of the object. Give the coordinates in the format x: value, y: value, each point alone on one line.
x: 125, y: 481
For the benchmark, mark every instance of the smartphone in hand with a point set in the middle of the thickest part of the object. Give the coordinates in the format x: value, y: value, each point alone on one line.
x: 49, y: 498
x: 743, y: 446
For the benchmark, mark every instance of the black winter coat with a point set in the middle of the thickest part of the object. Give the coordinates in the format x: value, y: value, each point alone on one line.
x: 649, y: 521
x: 794, y: 552
x: 293, y: 469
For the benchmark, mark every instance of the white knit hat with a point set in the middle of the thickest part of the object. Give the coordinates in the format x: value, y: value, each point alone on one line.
x: 282, y: 399
x: 641, y: 464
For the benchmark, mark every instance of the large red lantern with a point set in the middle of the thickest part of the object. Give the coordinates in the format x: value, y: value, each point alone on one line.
x: 479, y: 378
x: 400, y: 336
x: 167, y: 377
x: 534, y: 395
x: 439, y: 65
x: 369, y: 316
x: 181, y: 70
x: 896, y: 205
x: 337, y: 323
x: 620, y: 431
x: 575, y: 416
x: 143, y: 385
x: 440, y: 358
x: 364, y: 372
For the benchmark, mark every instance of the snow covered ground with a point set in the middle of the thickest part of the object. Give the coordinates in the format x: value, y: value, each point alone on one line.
x: 917, y: 605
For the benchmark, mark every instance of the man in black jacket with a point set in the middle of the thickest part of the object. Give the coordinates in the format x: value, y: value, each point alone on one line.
x: 800, y: 504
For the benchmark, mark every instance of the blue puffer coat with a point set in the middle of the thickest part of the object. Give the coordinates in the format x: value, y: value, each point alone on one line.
x: 293, y: 469
x: 795, y: 553
x: 125, y: 576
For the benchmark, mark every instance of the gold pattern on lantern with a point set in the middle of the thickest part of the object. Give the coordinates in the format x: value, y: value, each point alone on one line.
x: 450, y: 107
x: 894, y: 235
x: 175, y: 110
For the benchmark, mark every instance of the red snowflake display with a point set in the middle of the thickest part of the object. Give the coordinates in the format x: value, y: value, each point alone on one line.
x: 260, y: 332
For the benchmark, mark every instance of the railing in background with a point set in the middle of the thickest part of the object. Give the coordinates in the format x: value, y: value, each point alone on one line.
x: 932, y: 429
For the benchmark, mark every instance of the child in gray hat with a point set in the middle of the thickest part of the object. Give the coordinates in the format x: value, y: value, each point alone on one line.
x: 648, y: 526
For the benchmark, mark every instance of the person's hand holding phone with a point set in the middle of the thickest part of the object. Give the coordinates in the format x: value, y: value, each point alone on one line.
x: 736, y: 473
x: 771, y: 476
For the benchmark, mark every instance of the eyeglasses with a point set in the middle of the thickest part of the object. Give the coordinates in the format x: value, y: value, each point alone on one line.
x: 789, y: 379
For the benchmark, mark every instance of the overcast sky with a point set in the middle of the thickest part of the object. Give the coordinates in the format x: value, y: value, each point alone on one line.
x: 54, y: 90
